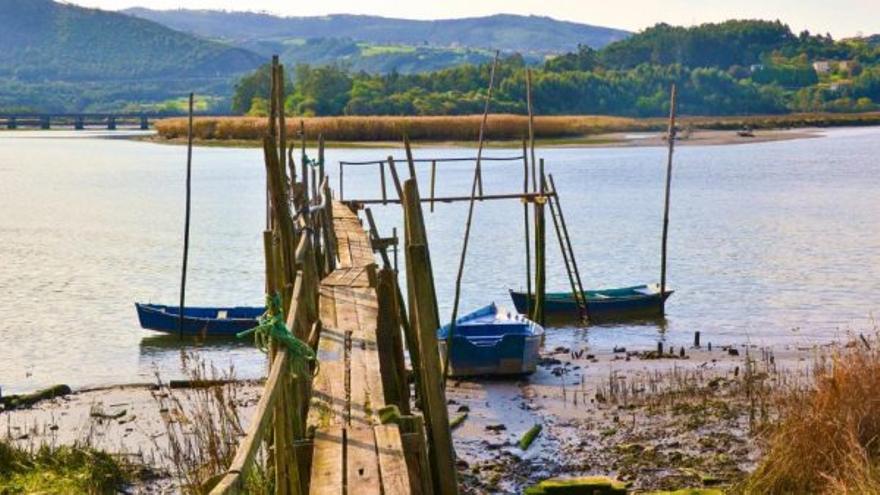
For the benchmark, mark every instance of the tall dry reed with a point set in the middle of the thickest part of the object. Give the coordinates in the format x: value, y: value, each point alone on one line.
x: 500, y: 126
x: 828, y: 439
x: 202, y: 424
x: 450, y: 128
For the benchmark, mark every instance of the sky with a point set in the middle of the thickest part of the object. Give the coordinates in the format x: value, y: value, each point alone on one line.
x: 841, y: 18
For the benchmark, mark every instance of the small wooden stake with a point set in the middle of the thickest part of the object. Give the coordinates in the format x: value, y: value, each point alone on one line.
x: 433, y: 180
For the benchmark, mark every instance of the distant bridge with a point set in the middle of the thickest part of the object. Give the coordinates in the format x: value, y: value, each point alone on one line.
x: 78, y: 121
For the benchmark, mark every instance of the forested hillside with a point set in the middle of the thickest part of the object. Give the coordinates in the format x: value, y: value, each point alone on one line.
x: 57, y: 56
x: 731, y: 68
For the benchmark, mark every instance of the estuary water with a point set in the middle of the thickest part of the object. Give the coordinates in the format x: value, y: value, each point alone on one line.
x: 776, y: 243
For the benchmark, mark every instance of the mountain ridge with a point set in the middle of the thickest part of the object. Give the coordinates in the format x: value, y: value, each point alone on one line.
x: 507, y: 32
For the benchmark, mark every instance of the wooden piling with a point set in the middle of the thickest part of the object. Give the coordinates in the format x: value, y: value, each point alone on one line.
x: 382, y: 181
x: 189, y: 147
x: 425, y: 319
x: 526, y: 228
x: 540, y: 254
x: 670, y: 139
x: 433, y: 180
x: 390, y: 344
x: 395, y: 178
x: 697, y: 339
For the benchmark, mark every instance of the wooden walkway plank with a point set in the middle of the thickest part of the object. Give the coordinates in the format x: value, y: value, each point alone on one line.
x: 327, y: 462
x: 348, y: 389
x: 392, y: 464
x: 362, y: 464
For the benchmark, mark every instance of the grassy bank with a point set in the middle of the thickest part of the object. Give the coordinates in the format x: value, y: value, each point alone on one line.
x: 68, y: 469
x: 500, y: 127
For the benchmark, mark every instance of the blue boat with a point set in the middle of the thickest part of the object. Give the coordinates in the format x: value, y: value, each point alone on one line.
x: 491, y: 341
x: 209, y: 322
x: 639, y: 301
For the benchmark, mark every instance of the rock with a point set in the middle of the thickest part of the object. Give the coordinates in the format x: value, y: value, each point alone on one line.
x: 733, y: 352
x: 548, y: 361
x: 464, y: 409
x: 496, y: 427
x: 619, y: 349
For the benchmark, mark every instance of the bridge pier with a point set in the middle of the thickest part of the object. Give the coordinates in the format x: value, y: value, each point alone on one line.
x: 79, y: 123
x: 111, y: 123
x: 45, y: 122
x: 145, y: 124
x: 11, y: 123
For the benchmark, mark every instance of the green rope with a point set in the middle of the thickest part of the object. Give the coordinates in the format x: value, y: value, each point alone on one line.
x: 272, y: 328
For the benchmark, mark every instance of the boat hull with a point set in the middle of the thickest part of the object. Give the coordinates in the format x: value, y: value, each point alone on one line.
x: 210, y: 322
x: 609, y: 305
x: 483, y: 345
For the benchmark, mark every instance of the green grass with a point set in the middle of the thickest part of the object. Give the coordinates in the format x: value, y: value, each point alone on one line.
x: 368, y: 50
x: 59, y: 470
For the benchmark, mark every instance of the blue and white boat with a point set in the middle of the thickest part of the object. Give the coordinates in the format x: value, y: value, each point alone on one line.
x: 209, y: 322
x: 492, y: 341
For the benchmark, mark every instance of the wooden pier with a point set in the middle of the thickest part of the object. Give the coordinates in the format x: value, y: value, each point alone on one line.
x: 353, y: 452
x: 336, y: 415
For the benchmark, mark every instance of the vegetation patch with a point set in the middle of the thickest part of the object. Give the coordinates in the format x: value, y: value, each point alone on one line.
x: 69, y: 469
x: 827, y: 439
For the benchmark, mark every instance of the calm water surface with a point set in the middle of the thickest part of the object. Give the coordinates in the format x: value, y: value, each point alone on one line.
x: 773, y: 243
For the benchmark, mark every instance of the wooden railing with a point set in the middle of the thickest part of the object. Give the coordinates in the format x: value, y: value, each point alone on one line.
x: 279, y: 419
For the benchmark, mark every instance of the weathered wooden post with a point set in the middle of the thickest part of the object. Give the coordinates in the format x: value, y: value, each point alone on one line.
x: 186, y: 217
x: 424, y: 318
x: 526, y: 228
x: 540, y: 251
x: 389, y: 342
x: 670, y: 139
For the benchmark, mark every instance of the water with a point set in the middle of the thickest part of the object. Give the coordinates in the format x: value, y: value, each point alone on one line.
x: 772, y: 243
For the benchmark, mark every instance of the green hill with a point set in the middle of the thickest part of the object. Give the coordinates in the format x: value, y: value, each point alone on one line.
x: 58, y: 56
x: 510, y: 33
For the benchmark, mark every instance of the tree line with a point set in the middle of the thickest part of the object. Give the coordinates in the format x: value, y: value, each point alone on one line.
x: 731, y: 68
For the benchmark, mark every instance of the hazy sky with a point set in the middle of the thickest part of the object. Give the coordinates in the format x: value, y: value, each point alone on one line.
x: 839, y: 17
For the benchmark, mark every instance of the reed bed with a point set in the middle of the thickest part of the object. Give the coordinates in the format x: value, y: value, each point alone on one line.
x: 500, y: 126
x: 828, y: 439
x: 448, y: 128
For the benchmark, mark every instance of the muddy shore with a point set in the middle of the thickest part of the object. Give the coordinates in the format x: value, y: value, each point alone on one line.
x: 656, y: 422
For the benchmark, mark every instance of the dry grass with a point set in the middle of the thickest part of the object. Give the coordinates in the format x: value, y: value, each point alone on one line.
x: 827, y: 439
x: 500, y: 127
x: 451, y: 128
x: 202, y: 424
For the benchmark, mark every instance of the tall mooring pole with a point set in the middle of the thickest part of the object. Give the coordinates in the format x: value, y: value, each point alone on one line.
x: 189, y: 147
x: 670, y: 140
